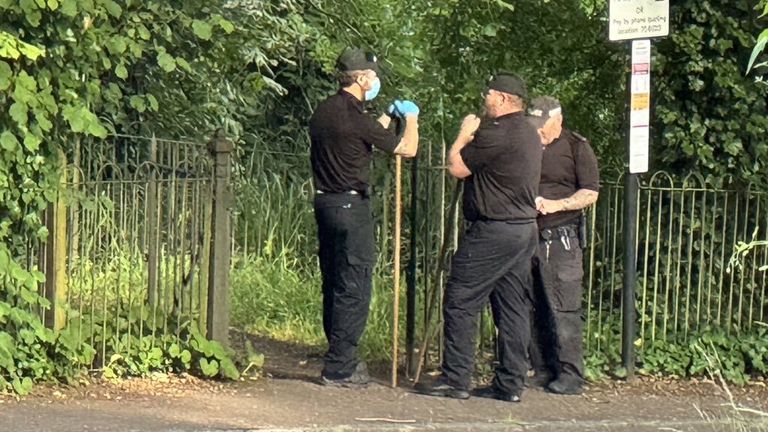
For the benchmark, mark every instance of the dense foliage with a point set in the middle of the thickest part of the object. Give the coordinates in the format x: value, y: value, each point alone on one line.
x: 73, y: 70
x: 711, y: 116
x: 76, y: 70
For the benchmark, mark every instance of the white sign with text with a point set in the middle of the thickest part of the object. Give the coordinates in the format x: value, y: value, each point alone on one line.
x: 640, y: 107
x: 637, y: 19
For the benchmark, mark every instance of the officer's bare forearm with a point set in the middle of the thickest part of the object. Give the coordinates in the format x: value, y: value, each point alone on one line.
x: 409, y: 143
x: 456, y: 165
x: 583, y: 198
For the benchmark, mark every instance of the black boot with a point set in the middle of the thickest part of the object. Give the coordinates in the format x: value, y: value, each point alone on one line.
x: 493, y: 392
x: 441, y: 388
x: 359, y: 378
x: 566, y: 384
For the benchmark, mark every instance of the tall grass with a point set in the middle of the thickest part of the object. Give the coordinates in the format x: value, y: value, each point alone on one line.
x: 273, y: 296
x: 276, y: 289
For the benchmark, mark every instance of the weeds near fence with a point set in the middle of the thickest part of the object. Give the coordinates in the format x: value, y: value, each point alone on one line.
x: 110, y: 315
x: 735, y: 417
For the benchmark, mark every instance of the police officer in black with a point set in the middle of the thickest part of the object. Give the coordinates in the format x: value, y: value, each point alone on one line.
x: 569, y: 183
x: 499, y: 158
x: 343, y: 136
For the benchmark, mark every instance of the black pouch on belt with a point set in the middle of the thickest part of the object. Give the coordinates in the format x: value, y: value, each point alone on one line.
x: 583, y: 230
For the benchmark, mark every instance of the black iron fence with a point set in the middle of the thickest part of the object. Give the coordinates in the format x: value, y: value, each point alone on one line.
x: 138, y: 241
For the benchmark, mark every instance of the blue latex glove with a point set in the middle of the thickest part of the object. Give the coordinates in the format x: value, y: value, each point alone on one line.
x: 392, y: 110
x: 407, y: 108
x: 402, y: 108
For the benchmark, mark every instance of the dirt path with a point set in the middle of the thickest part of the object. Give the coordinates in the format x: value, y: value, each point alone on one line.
x: 289, y: 399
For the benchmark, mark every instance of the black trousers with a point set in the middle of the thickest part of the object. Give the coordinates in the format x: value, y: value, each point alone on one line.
x: 493, y: 261
x: 558, y: 322
x: 347, y: 255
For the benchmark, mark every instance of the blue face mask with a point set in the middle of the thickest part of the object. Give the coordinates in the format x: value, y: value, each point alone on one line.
x: 374, y: 91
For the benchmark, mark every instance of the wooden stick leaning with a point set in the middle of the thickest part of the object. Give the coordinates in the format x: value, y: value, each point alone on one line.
x: 396, y: 276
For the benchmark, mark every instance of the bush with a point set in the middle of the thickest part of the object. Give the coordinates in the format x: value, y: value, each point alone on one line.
x: 30, y: 352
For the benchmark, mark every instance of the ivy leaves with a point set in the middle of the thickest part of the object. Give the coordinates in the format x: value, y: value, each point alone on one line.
x: 80, y: 120
x: 82, y: 69
x: 202, y: 29
x: 710, y: 113
x: 8, y: 141
x: 5, y: 75
x: 28, y: 350
x: 13, y: 48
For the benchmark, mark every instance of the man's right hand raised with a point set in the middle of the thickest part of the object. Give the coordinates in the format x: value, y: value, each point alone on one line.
x: 468, y: 127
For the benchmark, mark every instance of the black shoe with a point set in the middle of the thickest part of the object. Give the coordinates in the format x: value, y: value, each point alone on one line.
x: 566, y: 385
x: 440, y: 388
x: 359, y: 378
x: 493, y: 392
x: 538, y: 380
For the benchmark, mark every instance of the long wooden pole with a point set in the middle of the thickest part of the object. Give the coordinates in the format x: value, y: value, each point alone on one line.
x: 396, y: 277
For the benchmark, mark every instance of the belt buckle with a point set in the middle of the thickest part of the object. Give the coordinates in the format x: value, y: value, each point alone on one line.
x: 349, y: 192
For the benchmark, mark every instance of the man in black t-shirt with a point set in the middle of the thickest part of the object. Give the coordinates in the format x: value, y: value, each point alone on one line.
x: 570, y: 182
x: 343, y: 136
x: 499, y: 158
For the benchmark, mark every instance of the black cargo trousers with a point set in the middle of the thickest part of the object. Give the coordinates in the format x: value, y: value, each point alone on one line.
x: 347, y: 256
x: 493, y: 260
x: 558, y: 322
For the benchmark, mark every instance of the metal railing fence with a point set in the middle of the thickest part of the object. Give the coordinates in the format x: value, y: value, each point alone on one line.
x: 688, y: 228
x: 130, y: 243
x: 688, y: 279
x: 129, y: 249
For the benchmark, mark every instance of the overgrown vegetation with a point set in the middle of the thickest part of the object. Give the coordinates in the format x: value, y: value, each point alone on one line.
x: 74, y: 71
x: 30, y: 352
x: 711, y: 114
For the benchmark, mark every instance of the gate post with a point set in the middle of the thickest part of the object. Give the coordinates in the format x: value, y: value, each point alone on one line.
x: 55, y: 263
x: 217, y: 322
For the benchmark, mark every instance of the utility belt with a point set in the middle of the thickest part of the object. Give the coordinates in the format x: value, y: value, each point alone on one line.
x: 569, y: 235
x: 346, y: 199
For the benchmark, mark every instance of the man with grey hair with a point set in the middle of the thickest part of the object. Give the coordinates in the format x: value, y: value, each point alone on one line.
x: 569, y: 183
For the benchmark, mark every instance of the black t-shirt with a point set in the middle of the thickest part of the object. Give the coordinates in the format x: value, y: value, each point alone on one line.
x: 505, y: 161
x: 342, y: 138
x: 567, y: 165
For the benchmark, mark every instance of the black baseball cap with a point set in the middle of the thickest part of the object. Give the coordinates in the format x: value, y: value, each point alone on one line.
x: 508, y: 83
x: 542, y: 108
x: 353, y: 59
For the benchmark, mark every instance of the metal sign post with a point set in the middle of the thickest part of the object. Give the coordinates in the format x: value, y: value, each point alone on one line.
x: 631, y: 20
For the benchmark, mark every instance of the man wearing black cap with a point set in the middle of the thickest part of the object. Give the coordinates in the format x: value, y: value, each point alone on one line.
x: 499, y: 158
x: 342, y: 138
x: 570, y: 181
